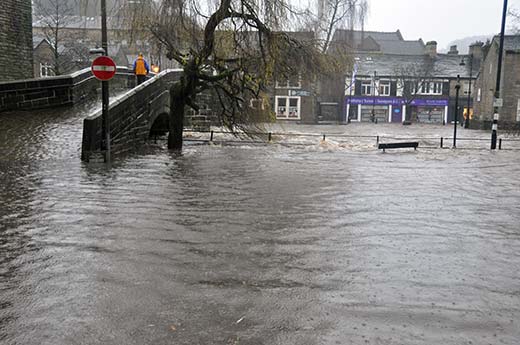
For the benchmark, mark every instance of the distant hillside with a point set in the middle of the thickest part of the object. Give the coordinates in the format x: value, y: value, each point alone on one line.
x: 464, y: 43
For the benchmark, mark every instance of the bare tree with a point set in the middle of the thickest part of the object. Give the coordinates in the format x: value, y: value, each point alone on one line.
x: 55, y: 16
x: 335, y: 14
x: 235, y: 49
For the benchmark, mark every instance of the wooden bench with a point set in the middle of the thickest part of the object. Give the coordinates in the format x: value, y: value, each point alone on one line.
x: 413, y: 144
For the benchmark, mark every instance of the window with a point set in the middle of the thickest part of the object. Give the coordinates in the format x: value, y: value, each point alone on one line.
x: 518, y: 111
x: 384, y: 88
x: 366, y: 88
x: 288, y: 107
x: 428, y: 88
x: 465, y: 88
x: 46, y: 70
x: 257, y: 103
x: 294, y: 82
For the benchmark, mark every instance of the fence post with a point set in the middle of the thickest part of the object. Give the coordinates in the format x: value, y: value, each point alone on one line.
x: 211, y: 136
x: 442, y: 142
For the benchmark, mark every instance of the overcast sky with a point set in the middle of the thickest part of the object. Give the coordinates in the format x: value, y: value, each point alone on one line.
x: 437, y: 20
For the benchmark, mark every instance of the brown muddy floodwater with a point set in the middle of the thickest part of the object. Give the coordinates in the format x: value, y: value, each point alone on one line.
x: 255, y: 244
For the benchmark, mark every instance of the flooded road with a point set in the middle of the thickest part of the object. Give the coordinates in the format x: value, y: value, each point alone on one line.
x: 243, y: 244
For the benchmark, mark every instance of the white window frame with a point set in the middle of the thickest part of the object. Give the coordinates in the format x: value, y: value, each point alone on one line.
x: 258, y: 101
x: 386, y: 85
x: 285, y: 114
x: 367, y: 85
x: 465, y: 88
x: 47, y: 68
x: 285, y: 84
x: 428, y: 88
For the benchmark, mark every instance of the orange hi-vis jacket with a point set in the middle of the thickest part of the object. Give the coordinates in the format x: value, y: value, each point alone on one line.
x: 141, y: 67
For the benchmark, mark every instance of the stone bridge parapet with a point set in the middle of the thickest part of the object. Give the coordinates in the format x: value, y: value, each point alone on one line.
x: 51, y: 92
x: 131, y: 116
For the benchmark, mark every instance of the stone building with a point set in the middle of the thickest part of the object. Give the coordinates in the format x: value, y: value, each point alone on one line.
x: 16, y: 44
x: 509, y: 89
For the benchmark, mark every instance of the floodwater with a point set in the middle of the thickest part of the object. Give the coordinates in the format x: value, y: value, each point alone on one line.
x: 323, y: 243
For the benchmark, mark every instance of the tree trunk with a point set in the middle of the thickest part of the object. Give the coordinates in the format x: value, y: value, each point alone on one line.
x: 177, y: 104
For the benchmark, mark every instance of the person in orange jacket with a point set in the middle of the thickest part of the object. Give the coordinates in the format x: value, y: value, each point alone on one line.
x: 141, y: 69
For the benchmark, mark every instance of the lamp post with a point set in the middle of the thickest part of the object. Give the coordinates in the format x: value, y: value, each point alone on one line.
x: 374, y: 98
x: 457, y: 89
x: 497, y: 86
x: 462, y: 63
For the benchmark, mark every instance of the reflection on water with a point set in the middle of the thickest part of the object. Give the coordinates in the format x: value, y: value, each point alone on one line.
x: 254, y: 245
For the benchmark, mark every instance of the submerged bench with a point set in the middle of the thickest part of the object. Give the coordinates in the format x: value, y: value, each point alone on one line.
x: 408, y: 144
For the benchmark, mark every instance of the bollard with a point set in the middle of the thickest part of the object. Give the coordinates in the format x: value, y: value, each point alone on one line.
x: 211, y: 136
x: 269, y: 137
x: 442, y: 142
x: 377, y: 139
x: 500, y: 144
x: 323, y: 137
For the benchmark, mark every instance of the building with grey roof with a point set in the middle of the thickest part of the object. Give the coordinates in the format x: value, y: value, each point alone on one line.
x: 509, y: 86
x: 391, y: 87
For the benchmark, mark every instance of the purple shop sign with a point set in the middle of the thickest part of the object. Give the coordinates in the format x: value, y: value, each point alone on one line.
x: 421, y: 102
x: 395, y: 101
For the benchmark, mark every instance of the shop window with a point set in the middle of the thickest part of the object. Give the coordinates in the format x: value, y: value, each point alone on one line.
x: 287, y: 107
x: 366, y: 88
x: 384, y: 88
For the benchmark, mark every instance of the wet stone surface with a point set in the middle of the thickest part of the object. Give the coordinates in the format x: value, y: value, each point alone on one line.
x: 273, y: 244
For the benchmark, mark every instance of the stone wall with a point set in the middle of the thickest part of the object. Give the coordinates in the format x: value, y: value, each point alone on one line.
x: 57, y: 91
x: 16, y: 59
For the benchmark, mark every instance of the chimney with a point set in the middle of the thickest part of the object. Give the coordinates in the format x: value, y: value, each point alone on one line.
x: 431, y: 49
x: 453, y: 50
x: 475, y: 49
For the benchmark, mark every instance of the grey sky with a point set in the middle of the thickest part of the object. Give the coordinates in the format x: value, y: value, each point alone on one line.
x: 437, y: 20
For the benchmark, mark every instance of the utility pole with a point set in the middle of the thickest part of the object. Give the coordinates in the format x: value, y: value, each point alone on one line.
x: 457, y: 89
x: 104, y: 84
x: 496, y: 102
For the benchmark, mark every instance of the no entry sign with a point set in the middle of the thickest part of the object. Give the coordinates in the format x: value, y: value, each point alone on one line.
x: 103, y: 68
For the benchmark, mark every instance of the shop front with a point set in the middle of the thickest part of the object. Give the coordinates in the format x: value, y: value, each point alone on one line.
x: 395, y: 109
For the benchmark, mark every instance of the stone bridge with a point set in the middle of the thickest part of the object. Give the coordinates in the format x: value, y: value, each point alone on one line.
x: 132, y: 116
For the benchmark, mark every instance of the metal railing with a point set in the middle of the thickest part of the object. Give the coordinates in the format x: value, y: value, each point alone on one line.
x: 269, y: 137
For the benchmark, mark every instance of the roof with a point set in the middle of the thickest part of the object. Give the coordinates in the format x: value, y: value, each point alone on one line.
x: 511, y: 42
x: 384, y: 42
x: 358, y: 36
x: 402, y: 47
x: 80, y: 22
x: 443, y: 66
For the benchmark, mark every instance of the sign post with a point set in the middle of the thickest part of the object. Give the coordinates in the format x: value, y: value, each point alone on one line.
x: 104, y: 69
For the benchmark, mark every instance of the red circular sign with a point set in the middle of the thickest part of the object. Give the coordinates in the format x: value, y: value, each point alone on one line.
x: 103, y: 68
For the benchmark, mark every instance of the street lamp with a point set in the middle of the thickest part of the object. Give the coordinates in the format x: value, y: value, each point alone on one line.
x: 374, y: 98
x: 462, y: 63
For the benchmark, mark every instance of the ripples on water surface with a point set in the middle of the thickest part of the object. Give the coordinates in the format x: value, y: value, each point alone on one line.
x: 254, y: 245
